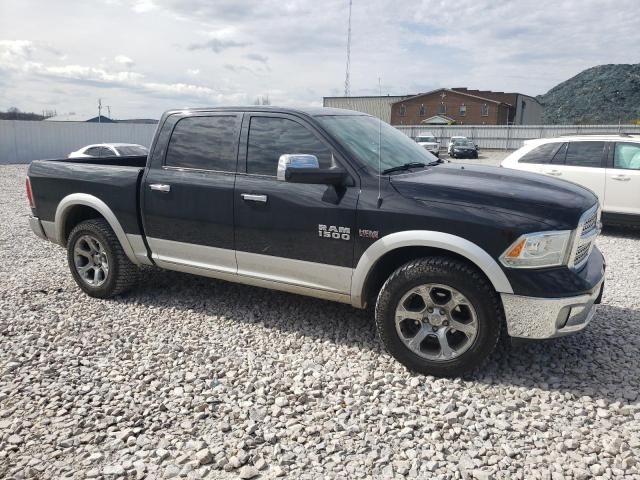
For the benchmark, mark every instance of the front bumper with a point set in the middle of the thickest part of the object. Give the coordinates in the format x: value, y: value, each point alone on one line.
x: 465, y: 153
x: 540, y: 318
x: 36, y: 226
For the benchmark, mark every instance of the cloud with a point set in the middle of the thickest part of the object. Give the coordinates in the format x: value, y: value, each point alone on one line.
x: 258, y: 58
x: 296, y: 49
x: 15, y: 55
x: 124, y: 60
x: 15, y: 50
x: 217, y: 45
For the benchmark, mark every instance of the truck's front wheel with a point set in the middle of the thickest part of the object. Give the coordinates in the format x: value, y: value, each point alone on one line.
x: 439, y: 316
x: 97, y: 262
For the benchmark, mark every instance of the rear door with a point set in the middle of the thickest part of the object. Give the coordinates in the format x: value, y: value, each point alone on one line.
x: 623, y: 179
x: 539, y: 157
x: 188, y: 193
x: 581, y: 162
x: 294, y: 233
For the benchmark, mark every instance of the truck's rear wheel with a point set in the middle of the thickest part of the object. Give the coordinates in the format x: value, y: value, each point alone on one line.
x: 439, y: 316
x: 97, y: 262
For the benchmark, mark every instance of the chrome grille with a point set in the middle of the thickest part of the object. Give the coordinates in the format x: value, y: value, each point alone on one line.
x: 585, y: 238
x: 590, y: 223
x: 582, y: 252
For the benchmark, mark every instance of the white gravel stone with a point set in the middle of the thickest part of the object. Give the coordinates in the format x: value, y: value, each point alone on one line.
x: 187, y: 369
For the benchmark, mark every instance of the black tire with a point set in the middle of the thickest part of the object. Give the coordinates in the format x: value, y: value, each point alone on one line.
x: 122, y: 275
x: 462, y: 277
x: 475, y: 155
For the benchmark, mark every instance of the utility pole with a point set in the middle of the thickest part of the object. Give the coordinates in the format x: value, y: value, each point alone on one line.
x: 347, y: 84
x: 99, y: 109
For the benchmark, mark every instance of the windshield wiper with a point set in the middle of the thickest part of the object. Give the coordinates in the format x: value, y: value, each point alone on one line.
x: 403, y: 167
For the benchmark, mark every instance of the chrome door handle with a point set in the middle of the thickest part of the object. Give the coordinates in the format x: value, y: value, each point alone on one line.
x: 555, y: 173
x: 621, y: 178
x: 254, y: 198
x: 160, y: 187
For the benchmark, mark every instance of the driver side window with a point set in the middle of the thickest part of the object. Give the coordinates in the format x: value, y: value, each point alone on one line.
x: 270, y: 137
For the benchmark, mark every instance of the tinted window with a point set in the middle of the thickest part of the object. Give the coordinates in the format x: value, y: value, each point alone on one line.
x: 106, y: 152
x: 541, y: 154
x: 132, y: 150
x: 560, y: 155
x: 271, y: 137
x: 585, y: 154
x: 627, y: 155
x: 205, y: 143
x: 93, y: 151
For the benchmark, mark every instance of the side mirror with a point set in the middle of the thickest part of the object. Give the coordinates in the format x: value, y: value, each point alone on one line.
x: 295, y: 162
x: 305, y: 169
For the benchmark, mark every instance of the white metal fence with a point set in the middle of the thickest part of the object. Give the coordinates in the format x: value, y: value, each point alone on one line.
x: 505, y: 137
x: 23, y: 141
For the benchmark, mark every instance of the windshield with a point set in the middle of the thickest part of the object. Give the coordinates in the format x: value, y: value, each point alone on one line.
x: 463, y: 143
x: 132, y: 150
x: 359, y: 135
x: 426, y: 139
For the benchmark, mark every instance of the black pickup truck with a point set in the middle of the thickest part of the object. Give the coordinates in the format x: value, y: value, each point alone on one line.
x: 337, y: 205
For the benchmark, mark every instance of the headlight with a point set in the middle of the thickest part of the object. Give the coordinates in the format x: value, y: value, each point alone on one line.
x: 538, y: 250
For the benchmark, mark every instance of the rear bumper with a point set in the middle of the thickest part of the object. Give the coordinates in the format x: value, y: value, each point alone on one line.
x: 540, y: 318
x: 36, y: 226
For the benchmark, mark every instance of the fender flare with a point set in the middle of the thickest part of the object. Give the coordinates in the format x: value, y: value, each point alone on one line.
x: 426, y: 238
x: 65, y: 205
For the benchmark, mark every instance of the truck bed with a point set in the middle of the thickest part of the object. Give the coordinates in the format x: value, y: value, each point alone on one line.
x: 113, y: 180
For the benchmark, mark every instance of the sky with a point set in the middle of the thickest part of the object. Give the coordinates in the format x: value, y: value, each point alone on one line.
x: 142, y: 57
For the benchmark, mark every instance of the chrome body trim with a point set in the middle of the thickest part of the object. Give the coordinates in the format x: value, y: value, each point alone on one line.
x: 299, y: 272
x: 49, y: 230
x: 139, y: 249
x: 259, y: 282
x: 294, y: 276
x: 36, y: 227
x: 540, y: 318
x: 168, y: 253
x: 426, y: 238
x: 74, y: 199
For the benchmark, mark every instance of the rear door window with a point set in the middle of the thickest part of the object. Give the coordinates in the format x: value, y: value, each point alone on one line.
x: 205, y: 143
x: 542, y: 153
x: 585, y: 154
x: 627, y: 156
x: 93, y: 151
x: 106, y: 152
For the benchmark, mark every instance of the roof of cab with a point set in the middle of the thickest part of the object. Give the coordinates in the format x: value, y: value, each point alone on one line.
x: 308, y: 111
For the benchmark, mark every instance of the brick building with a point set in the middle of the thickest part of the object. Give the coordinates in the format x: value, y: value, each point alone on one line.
x: 466, y: 107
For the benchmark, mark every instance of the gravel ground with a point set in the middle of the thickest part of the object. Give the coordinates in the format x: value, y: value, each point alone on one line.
x: 190, y: 377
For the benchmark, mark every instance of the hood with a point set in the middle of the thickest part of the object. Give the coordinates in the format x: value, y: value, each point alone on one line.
x: 550, y: 200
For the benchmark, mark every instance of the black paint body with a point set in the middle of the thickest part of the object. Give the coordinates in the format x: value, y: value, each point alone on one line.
x: 488, y: 206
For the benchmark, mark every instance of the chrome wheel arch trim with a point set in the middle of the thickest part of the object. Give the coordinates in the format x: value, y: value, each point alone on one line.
x: 425, y: 238
x: 64, y: 207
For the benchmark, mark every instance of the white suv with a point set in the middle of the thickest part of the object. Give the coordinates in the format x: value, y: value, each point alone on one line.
x: 429, y: 142
x: 609, y: 165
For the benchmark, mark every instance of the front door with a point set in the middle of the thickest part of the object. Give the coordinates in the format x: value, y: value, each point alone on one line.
x: 293, y: 233
x: 188, y: 194
x: 623, y: 180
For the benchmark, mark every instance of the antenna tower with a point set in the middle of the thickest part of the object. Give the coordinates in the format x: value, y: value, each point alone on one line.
x: 347, y: 84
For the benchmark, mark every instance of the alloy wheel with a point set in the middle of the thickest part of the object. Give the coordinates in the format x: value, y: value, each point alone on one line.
x: 90, y: 260
x: 436, y: 322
